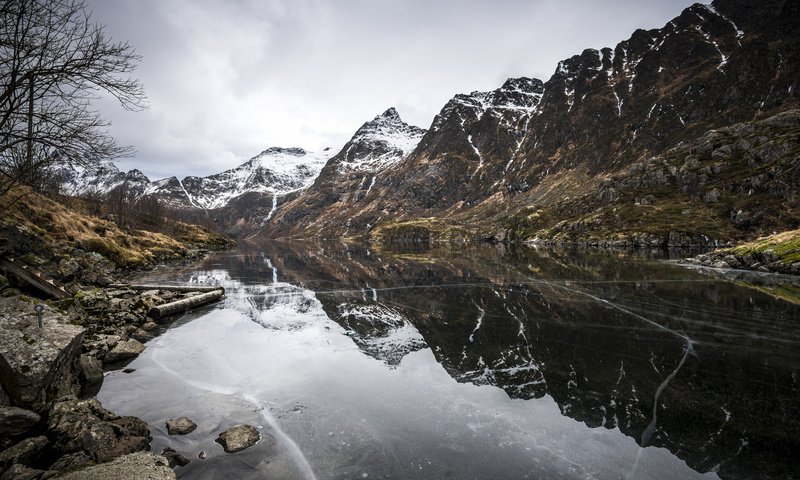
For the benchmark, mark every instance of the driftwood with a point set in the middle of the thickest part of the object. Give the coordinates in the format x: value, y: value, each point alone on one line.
x: 179, y: 306
x: 34, y: 277
x: 171, y: 288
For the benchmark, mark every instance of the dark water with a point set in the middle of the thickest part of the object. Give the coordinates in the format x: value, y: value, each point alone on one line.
x: 476, y: 363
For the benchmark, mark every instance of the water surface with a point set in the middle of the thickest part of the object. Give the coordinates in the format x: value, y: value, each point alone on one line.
x: 480, y: 363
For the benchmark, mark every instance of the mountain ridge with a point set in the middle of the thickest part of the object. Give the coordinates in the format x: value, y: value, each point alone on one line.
x: 602, y: 110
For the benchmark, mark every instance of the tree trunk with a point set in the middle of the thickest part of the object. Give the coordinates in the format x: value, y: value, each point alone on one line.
x: 185, y: 304
x: 171, y: 288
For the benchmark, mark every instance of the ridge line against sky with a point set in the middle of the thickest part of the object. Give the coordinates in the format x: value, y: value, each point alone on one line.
x: 226, y: 80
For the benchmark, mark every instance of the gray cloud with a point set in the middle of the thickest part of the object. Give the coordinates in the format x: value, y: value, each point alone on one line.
x: 227, y: 79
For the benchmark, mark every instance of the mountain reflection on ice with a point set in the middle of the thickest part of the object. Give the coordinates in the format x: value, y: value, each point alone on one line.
x: 472, y: 363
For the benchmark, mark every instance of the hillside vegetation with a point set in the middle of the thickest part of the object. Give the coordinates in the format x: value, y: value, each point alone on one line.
x: 69, y: 243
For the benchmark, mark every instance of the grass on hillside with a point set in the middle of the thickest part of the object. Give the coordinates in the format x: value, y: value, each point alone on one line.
x: 784, y: 246
x: 60, y: 226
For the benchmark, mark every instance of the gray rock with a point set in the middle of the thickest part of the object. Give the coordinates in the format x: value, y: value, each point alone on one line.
x: 140, y: 465
x: 24, y: 451
x: 72, y: 461
x: 180, y: 426
x: 87, y: 426
x: 712, y: 196
x: 124, y: 350
x: 238, y: 438
x: 91, y: 370
x: 20, y: 472
x: 174, y: 458
x: 40, y: 364
x: 149, y: 326
x: 14, y: 421
x: 142, y: 336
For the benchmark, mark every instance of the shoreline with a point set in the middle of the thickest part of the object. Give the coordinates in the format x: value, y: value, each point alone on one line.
x: 51, y: 376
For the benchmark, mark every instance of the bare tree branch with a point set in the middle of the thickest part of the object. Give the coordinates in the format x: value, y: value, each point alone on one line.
x: 54, y: 61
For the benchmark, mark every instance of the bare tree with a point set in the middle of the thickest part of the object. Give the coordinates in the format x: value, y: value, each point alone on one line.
x: 54, y: 61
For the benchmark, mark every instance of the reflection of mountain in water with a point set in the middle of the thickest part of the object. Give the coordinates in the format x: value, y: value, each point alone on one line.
x: 704, y: 368
x: 380, y: 331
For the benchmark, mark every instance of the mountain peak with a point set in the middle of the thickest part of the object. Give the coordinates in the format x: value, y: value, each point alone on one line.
x: 282, y: 150
x: 390, y: 113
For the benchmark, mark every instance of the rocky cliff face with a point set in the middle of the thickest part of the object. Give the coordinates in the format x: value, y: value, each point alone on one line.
x: 533, y: 143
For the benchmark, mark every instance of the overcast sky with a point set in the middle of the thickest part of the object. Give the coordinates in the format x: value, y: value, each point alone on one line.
x: 228, y: 79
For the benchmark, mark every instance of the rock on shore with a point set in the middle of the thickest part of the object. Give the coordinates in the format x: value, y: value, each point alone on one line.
x: 238, y: 438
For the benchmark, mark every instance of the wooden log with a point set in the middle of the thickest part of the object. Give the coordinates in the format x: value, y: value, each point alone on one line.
x: 34, y: 277
x: 180, y: 306
x: 171, y: 288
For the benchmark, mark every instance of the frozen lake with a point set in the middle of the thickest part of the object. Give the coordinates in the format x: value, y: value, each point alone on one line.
x: 479, y: 363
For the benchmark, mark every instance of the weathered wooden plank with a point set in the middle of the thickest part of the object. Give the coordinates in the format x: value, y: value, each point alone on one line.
x: 34, y: 277
x: 171, y: 288
x: 180, y: 306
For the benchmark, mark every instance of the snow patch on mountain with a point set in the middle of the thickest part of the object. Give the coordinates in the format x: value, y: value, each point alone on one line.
x: 96, y: 177
x: 275, y: 171
x: 380, y: 143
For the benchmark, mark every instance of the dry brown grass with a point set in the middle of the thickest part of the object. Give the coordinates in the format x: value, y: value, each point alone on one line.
x: 62, y: 226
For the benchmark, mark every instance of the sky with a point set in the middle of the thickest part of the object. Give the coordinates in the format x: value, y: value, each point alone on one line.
x: 226, y: 80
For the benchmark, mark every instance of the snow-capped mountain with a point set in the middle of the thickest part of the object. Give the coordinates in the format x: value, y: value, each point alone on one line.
x: 97, y: 177
x: 348, y: 178
x: 379, y: 144
x: 275, y: 171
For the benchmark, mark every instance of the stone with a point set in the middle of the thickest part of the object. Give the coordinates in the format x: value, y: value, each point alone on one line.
x: 112, y: 340
x: 84, y: 425
x: 175, y: 458
x: 712, y: 196
x: 238, y: 438
x: 124, y: 350
x: 24, y: 451
x: 142, y: 336
x: 37, y: 365
x: 149, y: 326
x: 180, y: 426
x: 135, y: 465
x: 20, y: 472
x: 15, y: 421
x: 72, y: 461
x: 91, y: 370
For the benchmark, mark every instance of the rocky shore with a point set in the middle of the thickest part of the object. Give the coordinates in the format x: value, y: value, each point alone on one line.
x: 778, y: 253
x: 51, y: 424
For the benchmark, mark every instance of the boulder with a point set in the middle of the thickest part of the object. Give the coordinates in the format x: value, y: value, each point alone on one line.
x: 24, y: 451
x: 142, y: 336
x: 15, y: 421
x: 91, y: 370
x: 19, y: 471
x: 238, y: 438
x: 124, y: 350
x: 180, y: 426
x: 135, y: 465
x: 86, y: 426
x: 174, y: 458
x: 37, y: 365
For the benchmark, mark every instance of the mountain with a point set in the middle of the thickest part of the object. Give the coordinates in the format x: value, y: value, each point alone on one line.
x: 237, y: 200
x: 97, y: 177
x: 275, y: 171
x: 496, y: 164
x: 346, y: 181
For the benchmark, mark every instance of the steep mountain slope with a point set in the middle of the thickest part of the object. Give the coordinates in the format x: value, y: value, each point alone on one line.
x: 348, y: 177
x: 534, y: 144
